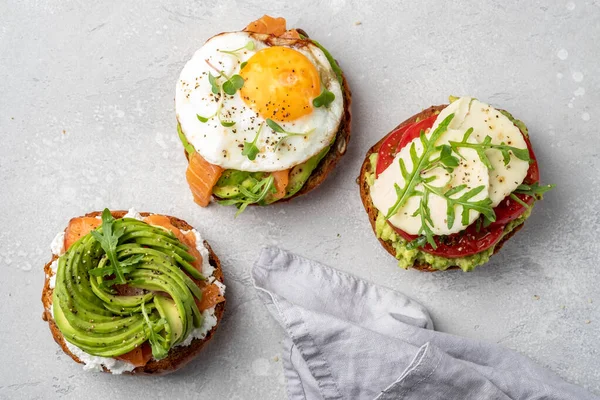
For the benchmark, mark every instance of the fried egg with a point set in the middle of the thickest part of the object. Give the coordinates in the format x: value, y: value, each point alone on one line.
x: 274, y: 108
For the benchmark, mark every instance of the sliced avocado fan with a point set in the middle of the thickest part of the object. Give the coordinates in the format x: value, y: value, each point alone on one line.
x: 91, y: 314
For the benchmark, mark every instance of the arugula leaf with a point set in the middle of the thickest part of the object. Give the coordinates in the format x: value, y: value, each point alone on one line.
x: 109, y: 240
x: 159, y: 350
x: 418, y: 242
x: 534, y: 190
x: 426, y: 221
x: 250, y: 149
x: 518, y: 200
x: 255, y: 195
x: 233, y: 84
x: 413, y: 178
x: 427, y: 236
x: 447, y: 159
x: 480, y: 148
x: 131, y: 261
x: 213, y: 84
x: 242, y: 65
x: 127, y: 265
x: 481, y: 206
x: 324, y: 99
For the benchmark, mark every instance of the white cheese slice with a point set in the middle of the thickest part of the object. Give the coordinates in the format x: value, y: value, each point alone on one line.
x: 487, y: 121
x: 471, y: 172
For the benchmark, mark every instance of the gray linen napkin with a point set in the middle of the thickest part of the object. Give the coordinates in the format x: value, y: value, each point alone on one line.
x: 350, y: 339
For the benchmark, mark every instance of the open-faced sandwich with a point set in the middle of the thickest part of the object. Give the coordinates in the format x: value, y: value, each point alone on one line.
x: 450, y: 185
x: 263, y: 114
x: 132, y: 292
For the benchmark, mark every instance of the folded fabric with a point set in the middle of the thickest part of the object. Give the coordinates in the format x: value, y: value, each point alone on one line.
x: 351, y: 339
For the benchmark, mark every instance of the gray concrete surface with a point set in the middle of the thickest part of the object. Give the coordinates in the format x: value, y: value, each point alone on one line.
x: 87, y: 121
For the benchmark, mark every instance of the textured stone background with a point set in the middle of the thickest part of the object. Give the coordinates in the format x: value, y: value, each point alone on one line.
x: 87, y: 121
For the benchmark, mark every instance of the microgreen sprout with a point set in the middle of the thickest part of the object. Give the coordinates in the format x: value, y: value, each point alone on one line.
x: 250, y: 149
x: 324, y: 99
x: 279, y: 129
x: 248, y: 46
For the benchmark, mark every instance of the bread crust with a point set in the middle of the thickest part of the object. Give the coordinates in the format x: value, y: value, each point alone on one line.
x: 178, y: 356
x: 372, y: 210
x: 337, y: 150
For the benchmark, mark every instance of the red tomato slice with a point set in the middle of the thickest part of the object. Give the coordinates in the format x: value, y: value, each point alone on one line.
x: 388, y: 149
x: 469, y: 241
x: 533, y: 174
x: 509, y: 209
x: 397, y: 140
x: 462, y: 244
x: 415, y: 131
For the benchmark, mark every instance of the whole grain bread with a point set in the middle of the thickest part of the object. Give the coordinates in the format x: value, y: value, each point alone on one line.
x: 372, y: 211
x: 178, y: 356
x: 338, y: 148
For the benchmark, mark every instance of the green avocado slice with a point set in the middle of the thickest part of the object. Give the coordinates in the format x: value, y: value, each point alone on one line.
x: 301, y: 172
x: 231, y: 181
x: 92, y: 315
x: 168, y: 310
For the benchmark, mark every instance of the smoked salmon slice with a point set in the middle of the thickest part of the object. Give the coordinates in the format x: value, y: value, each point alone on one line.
x: 267, y: 24
x: 272, y: 26
x: 202, y: 177
x: 291, y: 34
x: 189, y: 239
x: 138, y: 356
x: 282, y: 179
x: 211, y: 296
x: 78, y: 228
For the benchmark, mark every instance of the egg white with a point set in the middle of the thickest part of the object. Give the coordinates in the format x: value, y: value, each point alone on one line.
x: 223, y: 146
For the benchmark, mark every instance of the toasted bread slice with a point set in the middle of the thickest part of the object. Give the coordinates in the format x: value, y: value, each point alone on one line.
x: 178, y: 356
x: 338, y: 148
x: 368, y: 203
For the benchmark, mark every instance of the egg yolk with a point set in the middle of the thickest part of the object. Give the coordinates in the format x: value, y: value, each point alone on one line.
x: 280, y: 83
